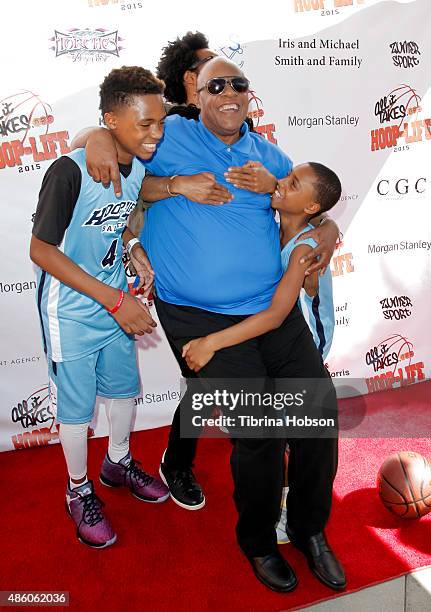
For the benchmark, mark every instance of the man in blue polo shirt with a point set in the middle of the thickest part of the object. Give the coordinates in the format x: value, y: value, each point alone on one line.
x: 214, y: 266
x: 222, y: 264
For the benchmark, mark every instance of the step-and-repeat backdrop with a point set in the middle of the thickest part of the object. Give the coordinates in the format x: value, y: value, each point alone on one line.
x: 343, y: 82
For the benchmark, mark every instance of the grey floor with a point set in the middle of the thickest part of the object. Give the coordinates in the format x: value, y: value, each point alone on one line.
x: 411, y: 593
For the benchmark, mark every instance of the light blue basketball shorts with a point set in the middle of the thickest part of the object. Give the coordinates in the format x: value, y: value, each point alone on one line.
x: 110, y: 372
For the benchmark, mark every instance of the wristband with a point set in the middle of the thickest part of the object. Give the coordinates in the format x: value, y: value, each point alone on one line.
x: 131, y: 244
x: 171, y: 193
x: 118, y: 304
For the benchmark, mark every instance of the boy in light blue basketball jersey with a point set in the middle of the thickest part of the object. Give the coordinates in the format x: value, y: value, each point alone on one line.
x: 308, y: 191
x: 87, y: 317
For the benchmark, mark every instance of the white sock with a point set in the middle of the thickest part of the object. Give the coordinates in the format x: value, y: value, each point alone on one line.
x: 120, y: 415
x: 73, y: 438
x: 76, y: 485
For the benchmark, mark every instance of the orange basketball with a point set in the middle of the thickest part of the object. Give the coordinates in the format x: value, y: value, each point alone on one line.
x: 404, y: 484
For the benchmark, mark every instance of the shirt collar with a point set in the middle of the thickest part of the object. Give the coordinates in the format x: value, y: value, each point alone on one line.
x: 243, y: 145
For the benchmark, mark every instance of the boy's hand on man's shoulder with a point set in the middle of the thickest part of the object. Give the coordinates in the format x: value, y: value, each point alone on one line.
x: 326, y: 235
x: 102, y: 160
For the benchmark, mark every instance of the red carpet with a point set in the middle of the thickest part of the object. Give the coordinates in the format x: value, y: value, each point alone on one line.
x: 167, y: 558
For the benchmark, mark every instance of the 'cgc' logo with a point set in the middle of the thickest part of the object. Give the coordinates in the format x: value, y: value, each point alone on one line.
x: 397, y: 188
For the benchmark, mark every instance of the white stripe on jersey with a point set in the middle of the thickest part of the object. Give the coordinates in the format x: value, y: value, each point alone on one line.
x: 54, y: 326
x: 304, y: 308
x: 53, y: 322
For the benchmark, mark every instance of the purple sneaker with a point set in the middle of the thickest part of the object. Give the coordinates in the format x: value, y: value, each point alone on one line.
x: 128, y: 473
x: 85, y: 508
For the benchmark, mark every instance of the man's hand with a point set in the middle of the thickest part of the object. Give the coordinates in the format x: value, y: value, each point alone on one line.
x: 326, y: 236
x: 197, y: 353
x: 102, y: 161
x: 252, y: 176
x: 134, y: 317
x: 201, y: 188
x: 143, y: 268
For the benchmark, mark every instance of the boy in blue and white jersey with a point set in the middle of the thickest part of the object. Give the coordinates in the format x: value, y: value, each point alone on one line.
x: 308, y: 191
x: 87, y: 317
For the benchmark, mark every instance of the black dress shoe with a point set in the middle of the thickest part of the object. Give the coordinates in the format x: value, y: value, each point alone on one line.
x: 183, y: 486
x: 274, y: 572
x: 321, y: 559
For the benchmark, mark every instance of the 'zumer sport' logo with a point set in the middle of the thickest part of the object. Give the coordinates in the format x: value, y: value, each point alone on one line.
x: 115, y: 211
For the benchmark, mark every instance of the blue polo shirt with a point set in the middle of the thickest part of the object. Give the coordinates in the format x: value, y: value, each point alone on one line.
x: 225, y: 258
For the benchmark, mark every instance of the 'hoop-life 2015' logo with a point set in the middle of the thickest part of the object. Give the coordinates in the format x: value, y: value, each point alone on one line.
x: 85, y: 45
x: 34, y: 415
x: 391, y: 363
x: 123, y: 4
x: 401, y: 108
x: 341, y: 263
x: 25, y: 120
x: 326, y: 7
x: 256, y: 112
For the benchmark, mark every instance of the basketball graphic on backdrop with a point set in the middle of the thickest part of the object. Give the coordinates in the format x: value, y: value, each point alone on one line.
x: 404, y: 484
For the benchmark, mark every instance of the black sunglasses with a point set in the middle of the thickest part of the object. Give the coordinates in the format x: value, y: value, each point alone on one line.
x: 217, y: 85
x: 202, y: 61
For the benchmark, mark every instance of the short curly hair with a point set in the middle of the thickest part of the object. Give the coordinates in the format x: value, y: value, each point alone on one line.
x: 327, y: 187
x: 178, y: 56
x: 122, y: 84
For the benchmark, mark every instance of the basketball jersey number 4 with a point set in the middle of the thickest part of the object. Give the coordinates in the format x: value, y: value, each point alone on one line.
x: 111, y: 255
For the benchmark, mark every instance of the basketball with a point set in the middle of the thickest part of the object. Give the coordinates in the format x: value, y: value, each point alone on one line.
x: 404, y: 484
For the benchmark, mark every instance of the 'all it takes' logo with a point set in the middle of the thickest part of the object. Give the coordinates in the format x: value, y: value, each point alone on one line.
x: 392, y: 363
x: 399, y: 115
x: 26, y: 122
x: 36, y: 420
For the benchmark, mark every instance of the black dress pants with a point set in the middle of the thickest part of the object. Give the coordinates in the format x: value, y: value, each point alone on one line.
x: 257, y: 464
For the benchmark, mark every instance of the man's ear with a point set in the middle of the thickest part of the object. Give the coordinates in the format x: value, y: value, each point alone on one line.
x: 312, y: 208
x: 110, y: 120
x: 189, y: 78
